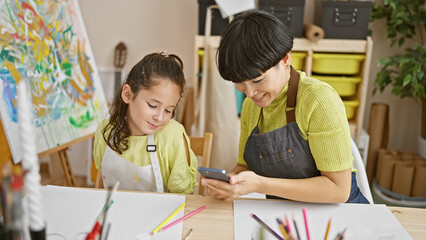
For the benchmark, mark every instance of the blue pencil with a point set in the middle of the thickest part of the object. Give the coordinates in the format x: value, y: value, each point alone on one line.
x: 266, y: 226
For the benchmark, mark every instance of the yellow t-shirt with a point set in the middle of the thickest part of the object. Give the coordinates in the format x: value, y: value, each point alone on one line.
x: 320, y: 116
x: 178, y: 176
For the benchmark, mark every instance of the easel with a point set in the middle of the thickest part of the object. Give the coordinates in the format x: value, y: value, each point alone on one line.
x: 61, y: 150
x: 64, y: 159
x: 6, y: 155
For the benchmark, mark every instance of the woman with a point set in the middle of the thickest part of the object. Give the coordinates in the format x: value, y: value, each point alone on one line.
x: 295, y: 141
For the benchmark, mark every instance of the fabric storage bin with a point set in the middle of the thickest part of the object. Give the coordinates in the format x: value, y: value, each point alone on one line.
x: 350, y: 107
x: 344, y: 86
x: 345, y: 19
x: 337, y: 63
x: 290, y: 12
x: 298, y: 60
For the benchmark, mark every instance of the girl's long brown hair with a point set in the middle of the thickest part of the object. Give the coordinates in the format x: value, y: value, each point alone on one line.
x: 160, y: 65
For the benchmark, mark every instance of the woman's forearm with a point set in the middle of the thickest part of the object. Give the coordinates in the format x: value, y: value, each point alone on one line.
x: 322, y: 189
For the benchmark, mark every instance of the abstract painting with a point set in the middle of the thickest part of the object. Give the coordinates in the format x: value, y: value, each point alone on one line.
x: 44, y: 43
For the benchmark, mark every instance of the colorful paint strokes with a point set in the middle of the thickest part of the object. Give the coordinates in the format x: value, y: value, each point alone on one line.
x: 44, y: 43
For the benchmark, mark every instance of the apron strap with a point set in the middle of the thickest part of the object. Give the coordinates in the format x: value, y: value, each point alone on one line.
x: 293, y: 85
x: 155, y: 165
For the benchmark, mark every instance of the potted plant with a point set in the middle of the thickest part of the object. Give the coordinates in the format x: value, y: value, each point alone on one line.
x: 405, y: 72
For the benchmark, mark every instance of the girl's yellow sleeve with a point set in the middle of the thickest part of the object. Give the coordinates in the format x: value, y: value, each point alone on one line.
x: 99, y: 146
x: 182, y: 177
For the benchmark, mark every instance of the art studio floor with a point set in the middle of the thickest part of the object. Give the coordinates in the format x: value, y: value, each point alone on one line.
x: 58, y: 179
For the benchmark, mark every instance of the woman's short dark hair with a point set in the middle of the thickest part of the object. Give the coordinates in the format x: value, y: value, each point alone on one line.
x: 251, y: 44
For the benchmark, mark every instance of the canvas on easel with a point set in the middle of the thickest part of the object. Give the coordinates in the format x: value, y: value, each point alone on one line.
x: 45, y: 44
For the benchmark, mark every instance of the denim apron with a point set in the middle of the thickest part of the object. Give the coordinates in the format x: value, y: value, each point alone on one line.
x: 283, y: 152
x: 132, y: 177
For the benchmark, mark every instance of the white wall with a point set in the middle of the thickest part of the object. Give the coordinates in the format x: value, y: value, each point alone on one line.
x: 145, y: 26
x: 150, y: 25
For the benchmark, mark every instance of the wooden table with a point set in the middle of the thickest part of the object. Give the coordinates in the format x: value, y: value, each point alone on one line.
x: 217, y: 220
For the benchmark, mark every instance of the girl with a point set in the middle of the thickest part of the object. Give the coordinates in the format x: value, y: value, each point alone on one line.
x: 140, y: 145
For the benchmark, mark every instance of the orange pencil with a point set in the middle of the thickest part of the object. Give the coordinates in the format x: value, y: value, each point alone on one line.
x: 328, y: 229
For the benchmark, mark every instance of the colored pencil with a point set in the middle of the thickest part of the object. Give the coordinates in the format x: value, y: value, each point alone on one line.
x: 340, y: 235
x: 287, y: 223
x: 282, y: 228
x: 328, y: 229
x: 167, y: 219
x: 266, y: 226
x: 295, y: 227
x: 105, y: 208
x: 305, y: 218
x: 188, y: 234
x: 182, y: 218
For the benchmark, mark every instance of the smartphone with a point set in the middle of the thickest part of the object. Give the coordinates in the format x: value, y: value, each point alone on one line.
x: 214, y: 173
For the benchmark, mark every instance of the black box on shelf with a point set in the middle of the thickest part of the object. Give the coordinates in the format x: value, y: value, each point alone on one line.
x: 290, y: 12
x: 218, y: 23
x: 345, y: 19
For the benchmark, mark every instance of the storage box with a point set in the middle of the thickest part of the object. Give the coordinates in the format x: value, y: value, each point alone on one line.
x: 290, y: 12
x: 331, y: 63
x: 344, y: 86
x: 350, y: 107
x: 298, y: 60
x: 345, y: 19
x: 218, y: 23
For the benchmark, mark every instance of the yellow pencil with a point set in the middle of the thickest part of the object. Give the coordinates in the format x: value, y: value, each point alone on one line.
x: 328, y: 229
x: 282, y: 228
x: 167, y: 219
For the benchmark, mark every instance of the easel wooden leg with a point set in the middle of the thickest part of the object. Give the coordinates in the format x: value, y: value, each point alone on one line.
x: 66, y: 167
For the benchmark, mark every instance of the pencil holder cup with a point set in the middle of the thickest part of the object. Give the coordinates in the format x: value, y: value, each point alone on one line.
x: 38, y: 235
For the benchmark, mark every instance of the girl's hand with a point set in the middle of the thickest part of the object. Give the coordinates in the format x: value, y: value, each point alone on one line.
x: 240, y: 184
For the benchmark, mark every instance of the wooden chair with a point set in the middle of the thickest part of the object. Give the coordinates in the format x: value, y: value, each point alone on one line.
x: 361, y: 175
x: 202, y: 147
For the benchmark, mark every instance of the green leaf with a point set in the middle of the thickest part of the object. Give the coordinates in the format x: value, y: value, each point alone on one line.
x: 393, y: 4
x: 405, y: 60
x: 420, y: 49
x: 420, y: 74
x: 407, y: 80
x: 400, y: 15
x: 401, y: 41
x: 416, y: 68
x: 396, y: 91
x: 382, y: 62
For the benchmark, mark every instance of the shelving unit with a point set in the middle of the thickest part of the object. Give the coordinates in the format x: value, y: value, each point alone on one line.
x: 310, y: 47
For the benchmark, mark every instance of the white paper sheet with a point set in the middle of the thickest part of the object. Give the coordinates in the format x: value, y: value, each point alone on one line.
x: 232, y: 7
x: 362, y: 221
x: 71, y: 212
